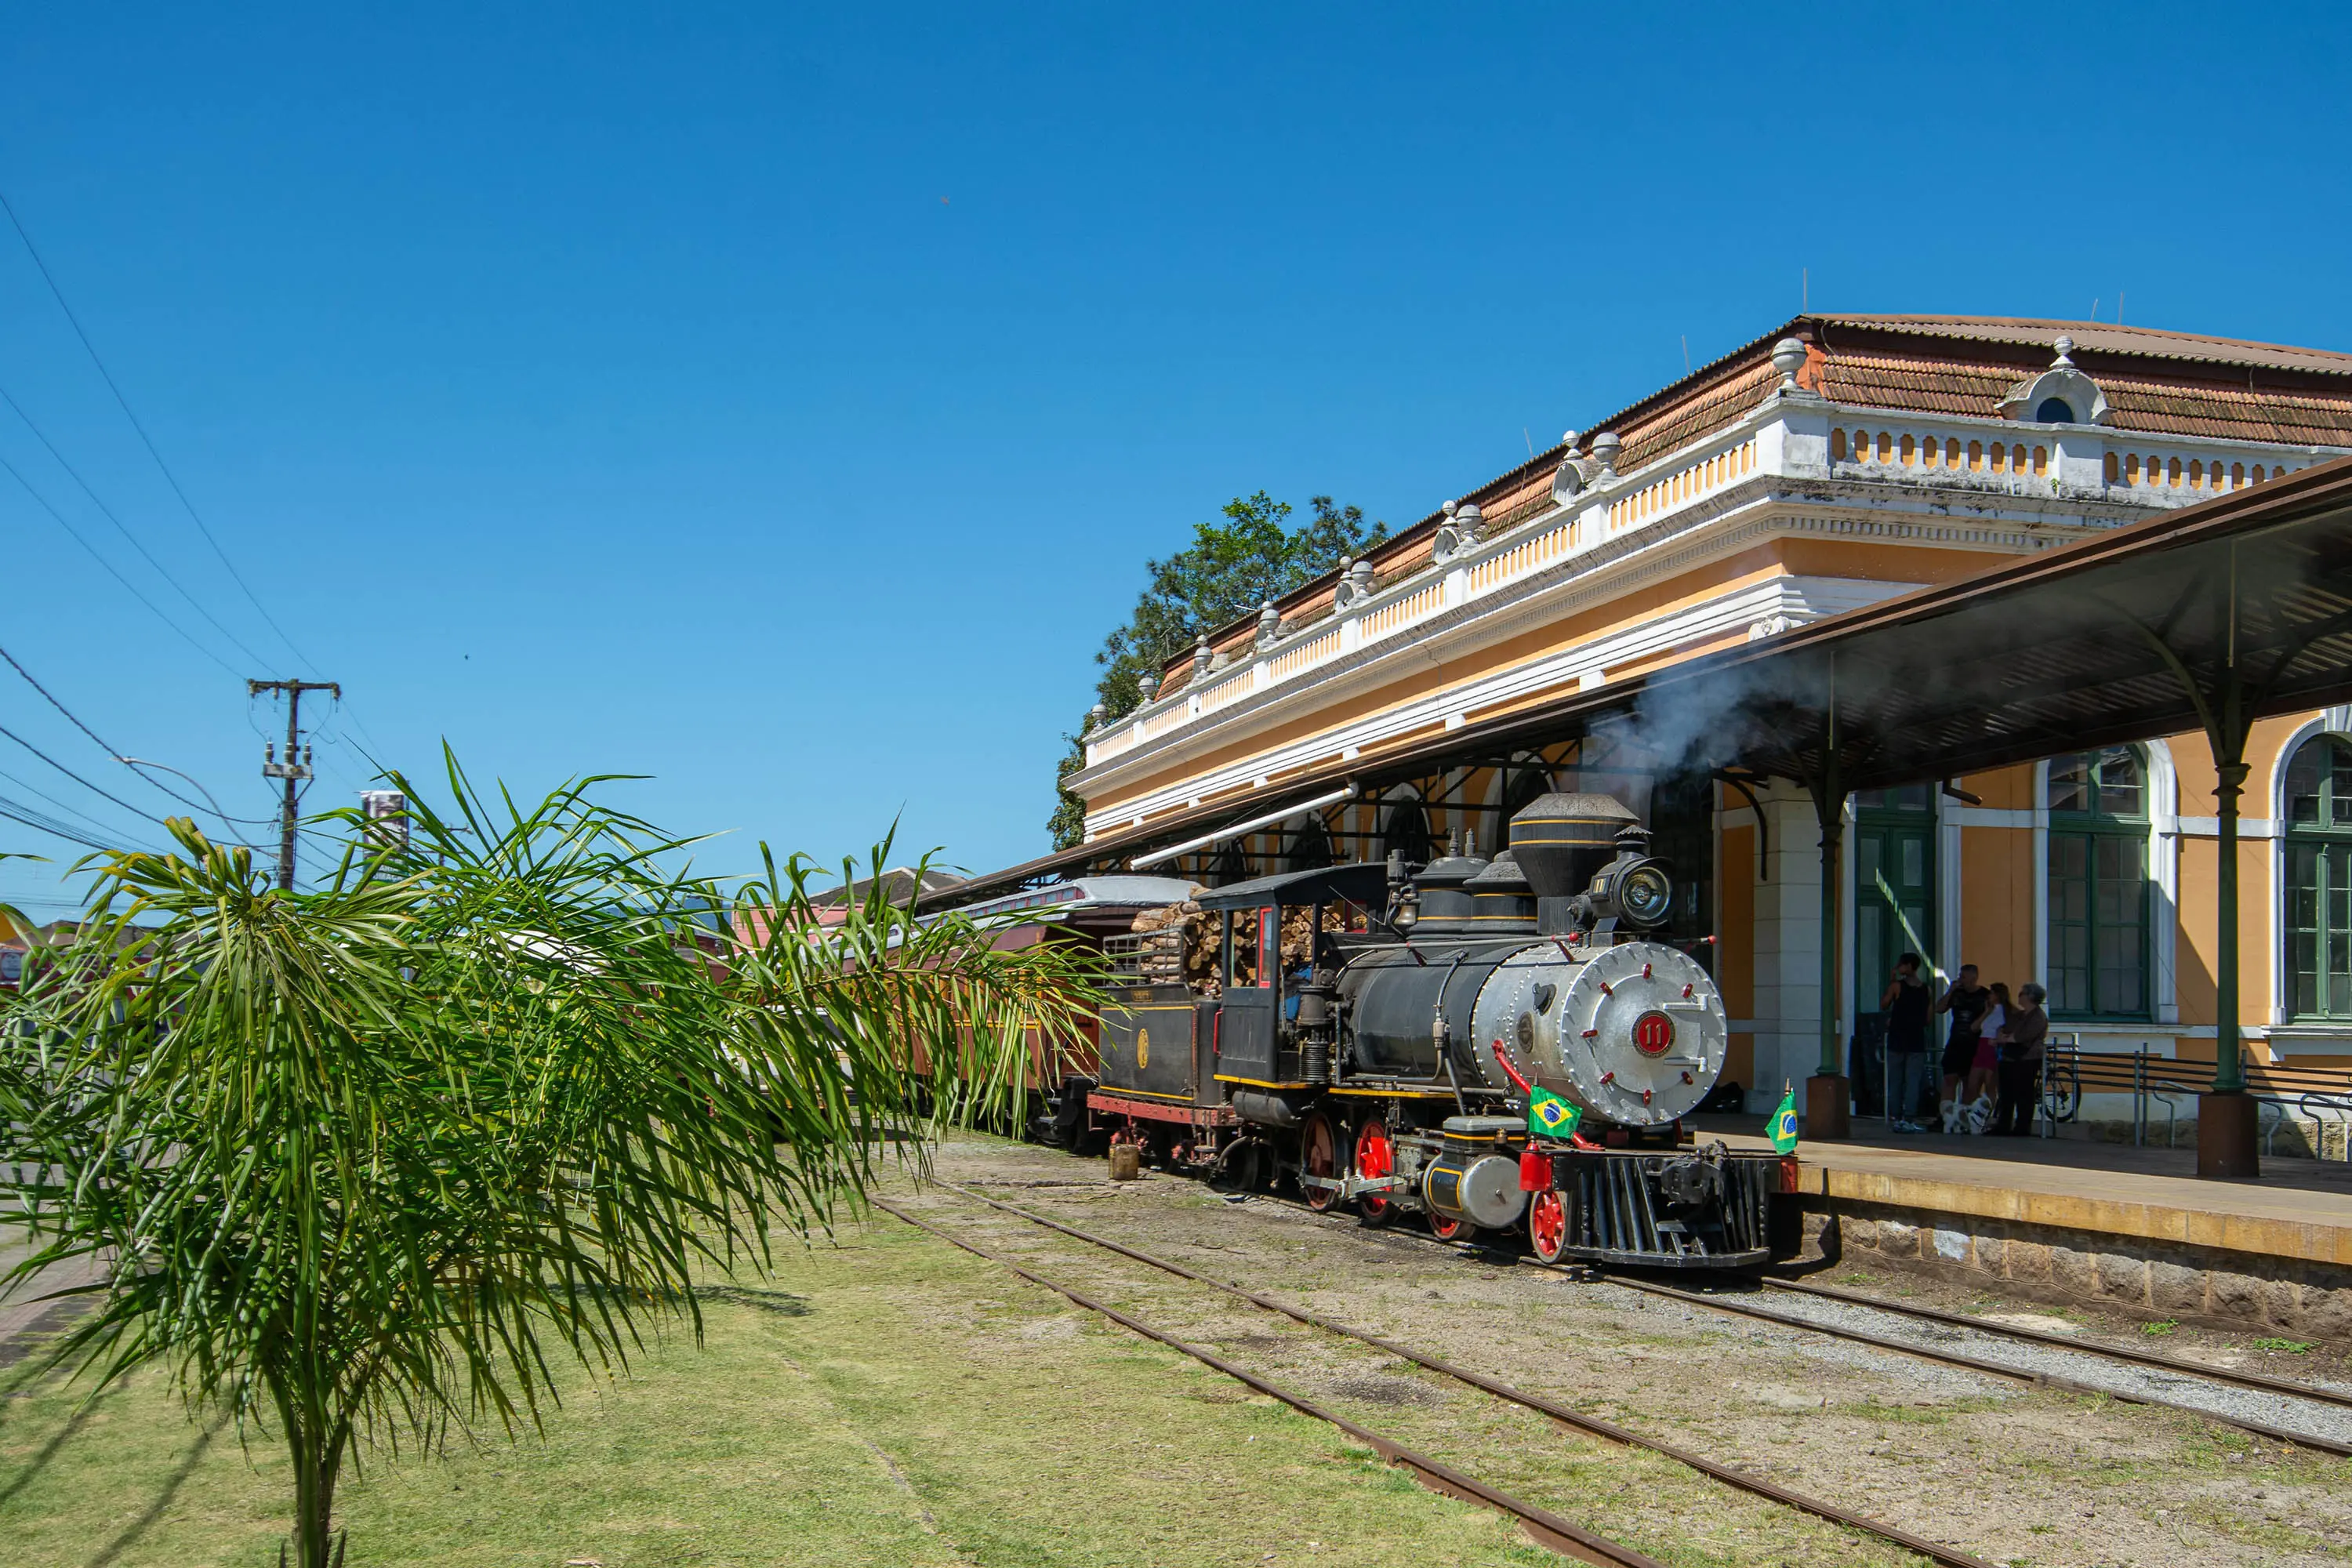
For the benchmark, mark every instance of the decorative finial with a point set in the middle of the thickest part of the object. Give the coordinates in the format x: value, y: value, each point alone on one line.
x: 1269, y: 623
x: 1605, y: 447
x: 2064, y: 346
x: 1201, y: 655
x: 1567, y: 440
x: 1448, y: 508
x: 1467, y: 519
x: 1096, y: 715
x: 1362, y: 574
x: 1789, y: 358
x: 1149, y: 684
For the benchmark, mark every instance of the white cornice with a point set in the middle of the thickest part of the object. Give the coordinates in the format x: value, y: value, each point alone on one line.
x: 1795, y: 599
x: 1722, y: 525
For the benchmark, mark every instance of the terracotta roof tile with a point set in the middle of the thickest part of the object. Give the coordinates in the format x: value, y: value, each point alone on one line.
x: 2097, y: 337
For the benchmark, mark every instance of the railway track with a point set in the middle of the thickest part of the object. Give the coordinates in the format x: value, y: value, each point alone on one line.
x: 1951, y: 1355
x: 2285, y: 1386
x: 2328, y: 1442
x: 1576, y: 1420
x: 2337, y: 1443
x: 1547, y: 1528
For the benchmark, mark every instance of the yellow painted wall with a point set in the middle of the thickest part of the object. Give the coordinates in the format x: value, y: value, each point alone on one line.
x: 1735, y: 952
x: 1997, y: 903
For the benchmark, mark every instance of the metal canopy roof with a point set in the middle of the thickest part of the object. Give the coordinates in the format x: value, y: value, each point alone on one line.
x: 2217, y: 615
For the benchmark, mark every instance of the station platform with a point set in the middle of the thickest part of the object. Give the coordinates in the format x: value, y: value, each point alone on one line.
x: 2071, y: 1216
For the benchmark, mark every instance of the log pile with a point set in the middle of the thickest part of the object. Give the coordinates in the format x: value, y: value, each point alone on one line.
x: 1180, y: 947
x: 1180, y: 944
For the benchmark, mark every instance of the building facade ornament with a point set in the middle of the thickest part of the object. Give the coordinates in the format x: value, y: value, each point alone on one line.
x: 2062, y: 394
x: 1605, y: 447
x: 1568, y: 478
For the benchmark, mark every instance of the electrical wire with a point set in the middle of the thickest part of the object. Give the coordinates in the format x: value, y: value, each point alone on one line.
x: 117, y: 576
x: 133, y: 538
x: 68, y: 809
x: 16, y: 811
x: 173, y: 479
x: 12, y: 735
x: 75, y: 720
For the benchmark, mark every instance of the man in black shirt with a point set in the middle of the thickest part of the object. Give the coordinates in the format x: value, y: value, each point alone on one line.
x: 1905, y: 1005
x: 1966, y: 1001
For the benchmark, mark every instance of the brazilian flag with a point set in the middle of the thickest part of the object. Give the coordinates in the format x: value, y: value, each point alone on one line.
x: 1784, y: 1123
x: 1549, y: 1115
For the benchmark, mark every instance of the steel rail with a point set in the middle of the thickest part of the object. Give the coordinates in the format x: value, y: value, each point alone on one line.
x: 2280, y: 1385
x: 1590, y: 1425
x: 1978, y: 1364
x: 2283, y: 1386
x: 1547, y: 1528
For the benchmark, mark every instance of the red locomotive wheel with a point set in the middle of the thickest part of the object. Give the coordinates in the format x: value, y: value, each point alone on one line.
x: 1548, y: 1225
x: 1451, y: 1229
x: 1375, y: 1157
x: 1318, y: 1155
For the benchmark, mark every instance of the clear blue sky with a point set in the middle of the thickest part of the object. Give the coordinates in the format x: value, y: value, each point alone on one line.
x: 781, y: 402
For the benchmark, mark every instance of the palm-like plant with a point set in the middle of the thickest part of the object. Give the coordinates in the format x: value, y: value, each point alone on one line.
x: 374, y: 1161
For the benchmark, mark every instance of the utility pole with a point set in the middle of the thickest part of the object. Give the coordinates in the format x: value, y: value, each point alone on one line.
x: 297, y: 766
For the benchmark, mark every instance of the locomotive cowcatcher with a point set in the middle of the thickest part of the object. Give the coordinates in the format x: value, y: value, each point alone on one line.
x: 1375, y: 1033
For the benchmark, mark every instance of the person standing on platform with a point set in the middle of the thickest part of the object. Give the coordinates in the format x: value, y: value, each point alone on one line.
x: 2020, y: 1063
x: 1974, y: 1111
x: 1966, y: 1000
x: 1906, y: 1005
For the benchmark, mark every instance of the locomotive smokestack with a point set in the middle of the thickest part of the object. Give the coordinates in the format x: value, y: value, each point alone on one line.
x: 1560, y: 841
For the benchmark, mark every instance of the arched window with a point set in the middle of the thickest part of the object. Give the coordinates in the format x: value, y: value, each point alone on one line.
x: 2098, y: 884
x: 2054, y: 411
x: 1311, y: 846
x: 1526, y: 786
x: 2319, y: 879
x: 1406, y: 833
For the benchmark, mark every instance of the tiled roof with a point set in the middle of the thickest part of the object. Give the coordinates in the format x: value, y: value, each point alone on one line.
x: 2173, y: 404
x: 2104, y: 338
x: 1935, y: 364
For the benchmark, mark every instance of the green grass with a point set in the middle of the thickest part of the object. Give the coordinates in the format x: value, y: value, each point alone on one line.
x: 2158, y: 1329
x: 886, y: 1403
x: 2292, y: 1347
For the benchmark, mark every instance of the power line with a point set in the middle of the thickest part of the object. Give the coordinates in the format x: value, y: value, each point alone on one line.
x: 108, y: 512
x: 125, y: 403
x: 75, y: 720
x: 117, y: 576
x: 70, y: 810
x: 11, y: 735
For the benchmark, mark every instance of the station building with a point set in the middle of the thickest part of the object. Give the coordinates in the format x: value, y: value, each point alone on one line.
x: 1832, y: 464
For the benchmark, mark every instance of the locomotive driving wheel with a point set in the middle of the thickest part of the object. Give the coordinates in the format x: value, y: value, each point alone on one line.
x: 1548, y: 1225
x: 1446, y: 1229
x: 1375, y: 1157
x: 1318, y: 1155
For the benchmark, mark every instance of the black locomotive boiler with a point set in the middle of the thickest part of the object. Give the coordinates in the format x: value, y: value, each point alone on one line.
x: 1374, y: 1033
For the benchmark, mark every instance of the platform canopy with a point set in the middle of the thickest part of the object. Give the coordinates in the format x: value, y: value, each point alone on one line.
x: 2204, y: 620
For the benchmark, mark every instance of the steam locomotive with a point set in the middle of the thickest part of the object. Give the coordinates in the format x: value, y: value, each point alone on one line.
x: 1375, y: 1034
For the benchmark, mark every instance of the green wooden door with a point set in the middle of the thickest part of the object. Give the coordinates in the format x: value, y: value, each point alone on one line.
x: 1894, y: 897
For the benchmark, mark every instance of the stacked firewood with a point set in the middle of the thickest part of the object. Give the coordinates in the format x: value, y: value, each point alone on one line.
x: 1180, y: 947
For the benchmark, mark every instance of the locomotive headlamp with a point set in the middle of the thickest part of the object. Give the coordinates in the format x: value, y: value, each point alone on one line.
x: 1634, y: 888
x: 1645, y: 894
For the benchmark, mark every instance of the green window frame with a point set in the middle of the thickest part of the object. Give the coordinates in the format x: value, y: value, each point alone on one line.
x: 2318, y: 882
x: 2098, y: 888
